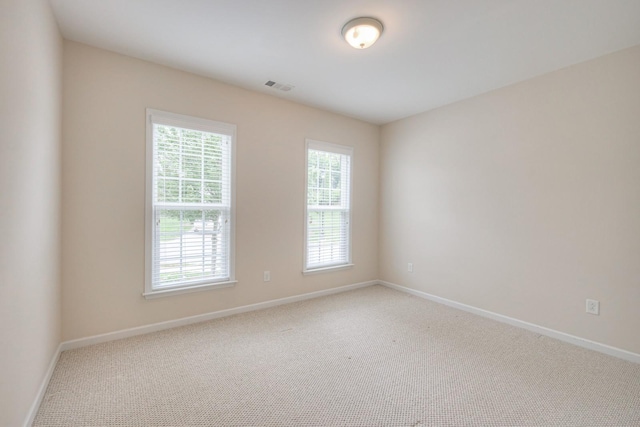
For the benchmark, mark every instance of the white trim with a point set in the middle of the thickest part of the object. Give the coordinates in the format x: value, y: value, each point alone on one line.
x: 327, y: 269
x: 148, y: 202
x: 189, y: 122
x: 33, y: 411
x: 185, y: 290
x: 552, y: 333
x: 314, y: 144
x: 140, y: 330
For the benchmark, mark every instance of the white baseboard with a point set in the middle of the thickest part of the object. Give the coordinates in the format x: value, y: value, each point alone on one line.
x: 111, y: 336
x: 31, y: 416
x: 140, y: 330
x: 571, y: 339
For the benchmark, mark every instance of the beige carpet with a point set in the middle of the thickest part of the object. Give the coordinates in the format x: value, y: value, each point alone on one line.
x: 370, y: 357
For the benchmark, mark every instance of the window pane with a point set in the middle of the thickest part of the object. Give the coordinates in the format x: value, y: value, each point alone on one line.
x: 324, y: 197
x: 168, y: 161
x: 213, y: 168
x: 336, y: 178
x: 323, y: 180
x: 327, y: 238
x: 213, y: 144
x: 169, y: 224
x: 212, y: 192
x: 324, y: 161
x: 191, y: 167
x: 168, y: 190
x: 191, y: 192
x: 327, y: 225
x: 191, y: 142
x: 335, y: 197
x: 191, y: 204
x: 312, y: 197
x: 191, y: 245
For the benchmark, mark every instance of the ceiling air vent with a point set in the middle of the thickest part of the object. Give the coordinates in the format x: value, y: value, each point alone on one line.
x: 279, y: 86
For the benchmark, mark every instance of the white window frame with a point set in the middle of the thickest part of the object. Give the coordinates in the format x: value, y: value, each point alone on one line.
x: 311, y: 144
x: 200, y: 124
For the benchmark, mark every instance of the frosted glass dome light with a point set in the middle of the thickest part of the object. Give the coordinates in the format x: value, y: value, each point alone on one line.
x: 362, y: 32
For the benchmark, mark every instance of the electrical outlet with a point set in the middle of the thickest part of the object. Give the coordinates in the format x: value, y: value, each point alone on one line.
x: 593, y: 307
x: 267, y: 276
x: 410, y: 267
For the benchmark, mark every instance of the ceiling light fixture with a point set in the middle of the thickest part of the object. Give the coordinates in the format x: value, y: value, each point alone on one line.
x: 362, y: 32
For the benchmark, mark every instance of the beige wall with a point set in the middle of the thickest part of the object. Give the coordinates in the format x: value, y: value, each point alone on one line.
x: 105, y: 96
x: 30, y: 108
x: 524, y: 201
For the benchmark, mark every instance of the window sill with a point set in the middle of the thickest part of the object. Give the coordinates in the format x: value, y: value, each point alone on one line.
x: 197, y: 288
x: 327, y: 269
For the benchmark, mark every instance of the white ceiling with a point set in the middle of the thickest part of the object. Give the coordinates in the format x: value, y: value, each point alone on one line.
x: 432, y: 52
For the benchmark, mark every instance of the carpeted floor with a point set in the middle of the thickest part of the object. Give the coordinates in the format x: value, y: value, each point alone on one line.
x: 369, y: 357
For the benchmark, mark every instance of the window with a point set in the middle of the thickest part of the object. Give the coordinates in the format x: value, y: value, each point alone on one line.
x: 328, y: 207
x: 190, y: 204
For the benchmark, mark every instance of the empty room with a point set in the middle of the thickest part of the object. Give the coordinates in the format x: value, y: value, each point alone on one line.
x: 320, y: 213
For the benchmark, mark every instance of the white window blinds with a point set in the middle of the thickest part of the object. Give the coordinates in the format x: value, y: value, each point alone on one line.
x: 328, y: 208
x: 191, y: 214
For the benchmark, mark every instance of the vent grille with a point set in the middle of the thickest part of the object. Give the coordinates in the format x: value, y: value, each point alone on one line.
x: 279, y: 86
